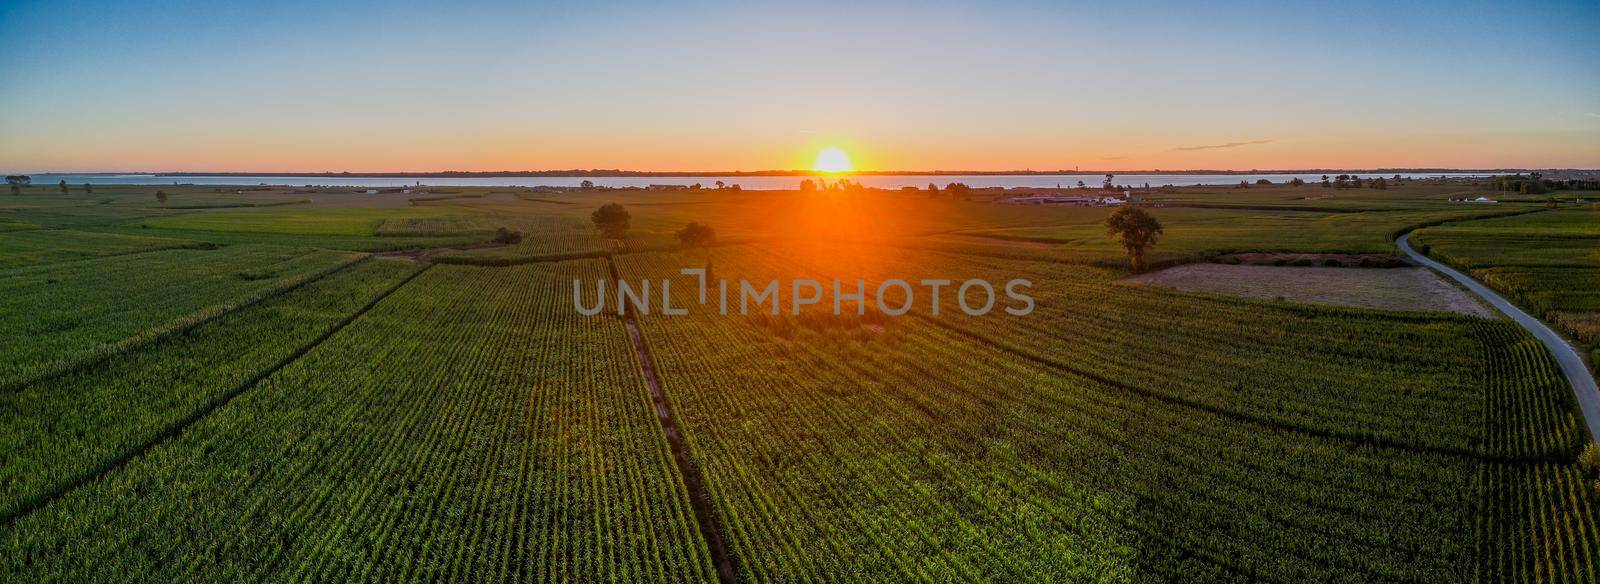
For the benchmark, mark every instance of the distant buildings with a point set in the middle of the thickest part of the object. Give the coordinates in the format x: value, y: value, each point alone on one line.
x: 1477, y: 200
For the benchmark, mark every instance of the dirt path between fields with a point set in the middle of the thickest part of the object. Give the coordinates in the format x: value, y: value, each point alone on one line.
x: 1583, y: 384
x: 693, y: 481
x: 985, y: 240
x: 424, y: 254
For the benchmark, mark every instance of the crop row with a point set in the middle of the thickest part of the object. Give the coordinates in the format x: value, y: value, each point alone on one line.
x: 921, y: 448
x: 63, y: 430
x: 470, y: 426
x: 1386, y: 378
x: 88, y: 309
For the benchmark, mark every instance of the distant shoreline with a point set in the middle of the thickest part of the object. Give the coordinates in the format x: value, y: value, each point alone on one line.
x: 613, y: 173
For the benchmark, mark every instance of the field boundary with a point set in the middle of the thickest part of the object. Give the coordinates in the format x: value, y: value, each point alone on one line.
x: 693, y: 481
x: 178, y: 427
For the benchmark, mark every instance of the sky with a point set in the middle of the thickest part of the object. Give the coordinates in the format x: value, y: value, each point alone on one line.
x: 748, y: 85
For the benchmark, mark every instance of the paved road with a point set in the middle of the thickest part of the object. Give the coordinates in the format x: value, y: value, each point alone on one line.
x: 1571, y: 364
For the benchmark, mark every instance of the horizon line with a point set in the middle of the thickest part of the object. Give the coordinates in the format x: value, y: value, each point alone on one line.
x: 621, y: 173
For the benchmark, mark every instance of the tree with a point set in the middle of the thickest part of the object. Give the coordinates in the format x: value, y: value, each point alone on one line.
x: 808, y: 186
x: 161, y: 196
x: 1549, y: 203
x: 613, y: 220
x: 721, y: 184
x: 1324, y: 180
x: 933, y: 188
x: 959, y: 191
x: 696, y: 235
x: 1262, y: 181
x: 1297, y: 182
x: 1107, y: 184
x: 735, y: 188
x: 87, y: 188
x: 507, y: 236
x: 18, y: 179
x: 63, y: 186
x: 586, y: 185
x: 1136, y: 230
x: 1081, y: 185
x: 1379, y: 183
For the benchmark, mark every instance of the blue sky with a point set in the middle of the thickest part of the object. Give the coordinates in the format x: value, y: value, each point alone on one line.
x: 748, y: 85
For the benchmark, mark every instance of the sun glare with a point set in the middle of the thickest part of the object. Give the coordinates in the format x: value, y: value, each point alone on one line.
x: 832, y: 160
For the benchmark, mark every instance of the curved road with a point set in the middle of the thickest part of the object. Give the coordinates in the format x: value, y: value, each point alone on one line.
x: 1571, y: 364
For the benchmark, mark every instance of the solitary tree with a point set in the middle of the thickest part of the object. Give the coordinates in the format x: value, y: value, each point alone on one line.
x: 63, y: 186
x: 933, y: 188
x: 696, y: 235
x: 720, y: 184
x: 87, y: 188
x: 161, y: 196
x: 507, y: 237
x: 808, y: 185
x: 959, y: 191
x: 1136, y: 230
x: 612, y: 219
x: 586, y: 185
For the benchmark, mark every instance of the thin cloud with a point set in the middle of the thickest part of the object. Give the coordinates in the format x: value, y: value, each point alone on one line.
x: 1592, y: 115
x: 1228, y: 145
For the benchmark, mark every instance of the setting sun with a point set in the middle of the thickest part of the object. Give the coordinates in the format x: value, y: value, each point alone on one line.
x: 832, y: 160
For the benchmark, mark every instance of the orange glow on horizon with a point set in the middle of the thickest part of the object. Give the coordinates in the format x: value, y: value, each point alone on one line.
x: 832, y: 160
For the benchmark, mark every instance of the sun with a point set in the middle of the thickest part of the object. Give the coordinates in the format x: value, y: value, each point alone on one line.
x: 832, y: 160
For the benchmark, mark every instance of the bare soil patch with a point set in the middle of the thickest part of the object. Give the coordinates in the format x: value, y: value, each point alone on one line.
x: 1410, y: 288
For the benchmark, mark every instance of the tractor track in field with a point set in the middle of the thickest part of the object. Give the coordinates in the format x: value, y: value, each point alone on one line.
x: 177, y: 428
x: 693, y: 481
